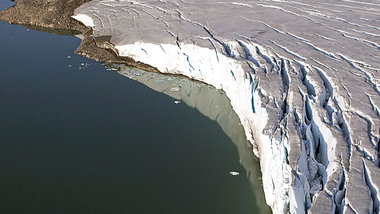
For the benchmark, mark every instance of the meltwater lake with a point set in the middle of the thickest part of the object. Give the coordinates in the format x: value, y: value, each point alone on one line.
x: 77, y: 136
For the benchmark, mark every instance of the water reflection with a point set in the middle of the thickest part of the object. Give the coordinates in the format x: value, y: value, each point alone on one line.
x: 212, y: 103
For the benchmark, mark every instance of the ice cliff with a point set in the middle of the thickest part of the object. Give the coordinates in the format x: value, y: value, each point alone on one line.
x: 302, y: 76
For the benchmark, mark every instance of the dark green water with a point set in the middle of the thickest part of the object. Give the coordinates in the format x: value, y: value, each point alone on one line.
x: 76, y: 138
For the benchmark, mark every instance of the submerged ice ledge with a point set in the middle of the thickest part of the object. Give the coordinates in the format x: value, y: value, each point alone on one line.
x: 223, y: 73
x: 303, y: 80
x: 212, y: 103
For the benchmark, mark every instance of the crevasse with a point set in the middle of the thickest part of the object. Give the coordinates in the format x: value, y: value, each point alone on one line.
x: 300, y: 80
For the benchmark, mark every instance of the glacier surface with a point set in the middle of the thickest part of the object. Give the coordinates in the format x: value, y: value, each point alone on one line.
x: 302, y: 76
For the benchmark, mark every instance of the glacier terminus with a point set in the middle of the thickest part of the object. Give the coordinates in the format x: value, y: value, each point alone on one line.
x: 303, y: 76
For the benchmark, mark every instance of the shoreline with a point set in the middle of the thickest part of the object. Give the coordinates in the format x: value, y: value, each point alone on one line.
x: 96, y: 48
x: 306, y: 130
x: 26, y: 13
x: 101, y: 50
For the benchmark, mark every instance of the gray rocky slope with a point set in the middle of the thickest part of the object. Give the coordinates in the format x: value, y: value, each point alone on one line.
x: 302, y: 76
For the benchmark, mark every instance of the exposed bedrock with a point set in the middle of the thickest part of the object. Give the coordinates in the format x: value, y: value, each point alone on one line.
x: 302, y: 76
x: 52, y: 14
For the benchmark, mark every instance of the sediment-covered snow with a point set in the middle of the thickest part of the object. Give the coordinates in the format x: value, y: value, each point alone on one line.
x: 303, y: 77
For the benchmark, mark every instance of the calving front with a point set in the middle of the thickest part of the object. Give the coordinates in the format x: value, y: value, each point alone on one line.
x: 295, y: 78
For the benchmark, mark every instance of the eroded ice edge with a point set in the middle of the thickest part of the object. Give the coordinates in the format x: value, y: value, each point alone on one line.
x: 303, y: 77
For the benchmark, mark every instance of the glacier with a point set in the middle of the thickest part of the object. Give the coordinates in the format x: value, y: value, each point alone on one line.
x: 302, y: 76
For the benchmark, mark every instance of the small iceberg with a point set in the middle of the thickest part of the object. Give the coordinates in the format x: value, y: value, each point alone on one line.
x: 233, y: 173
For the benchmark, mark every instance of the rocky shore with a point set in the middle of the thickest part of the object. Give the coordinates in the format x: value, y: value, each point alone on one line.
x: 54, y: 16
